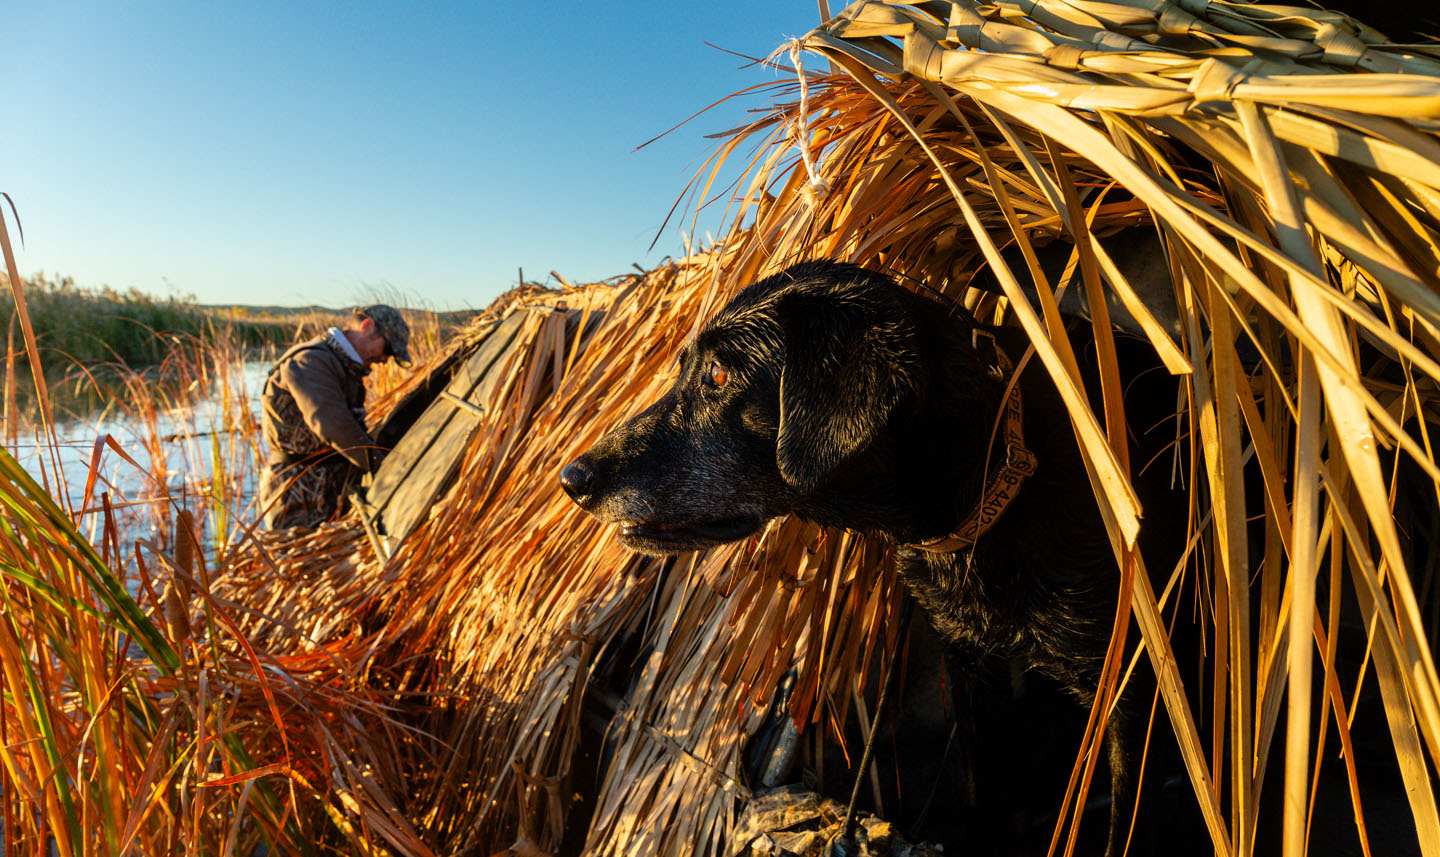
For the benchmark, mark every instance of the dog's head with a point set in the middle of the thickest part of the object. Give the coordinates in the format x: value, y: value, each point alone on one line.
x: 784, y: 388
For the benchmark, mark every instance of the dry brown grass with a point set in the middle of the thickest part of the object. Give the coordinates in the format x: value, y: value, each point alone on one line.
x: 433, y: 701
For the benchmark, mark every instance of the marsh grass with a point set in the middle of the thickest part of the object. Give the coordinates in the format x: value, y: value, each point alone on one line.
x: 300, y: 691
x: 91, y: 339
x: 105, y: 325
x: 136, y: 718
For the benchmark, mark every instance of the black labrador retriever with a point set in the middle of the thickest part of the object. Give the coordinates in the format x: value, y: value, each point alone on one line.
x: 832, y: 393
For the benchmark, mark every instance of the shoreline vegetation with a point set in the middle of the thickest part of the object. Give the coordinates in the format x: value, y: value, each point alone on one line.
x: 92, y: 340
x: 90, y: 326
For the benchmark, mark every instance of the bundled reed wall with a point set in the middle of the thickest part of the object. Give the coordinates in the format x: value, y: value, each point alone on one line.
x: 1287, y: 160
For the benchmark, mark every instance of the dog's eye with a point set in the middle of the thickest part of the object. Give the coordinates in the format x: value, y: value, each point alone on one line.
x: 718, y: 376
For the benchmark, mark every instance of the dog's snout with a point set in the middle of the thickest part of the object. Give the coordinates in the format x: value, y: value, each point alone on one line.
x: 578, y: 480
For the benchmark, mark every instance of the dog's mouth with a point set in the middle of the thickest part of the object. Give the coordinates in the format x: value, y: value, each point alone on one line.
x: 658, y: 537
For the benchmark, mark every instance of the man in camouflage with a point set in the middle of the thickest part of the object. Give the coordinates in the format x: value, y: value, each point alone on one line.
x: 314, y: 404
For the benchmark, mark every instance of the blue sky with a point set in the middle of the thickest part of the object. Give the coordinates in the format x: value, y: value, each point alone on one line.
x: 297, y: 153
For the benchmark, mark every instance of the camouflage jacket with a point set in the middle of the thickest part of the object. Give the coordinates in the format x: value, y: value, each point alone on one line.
x: 315, y: 403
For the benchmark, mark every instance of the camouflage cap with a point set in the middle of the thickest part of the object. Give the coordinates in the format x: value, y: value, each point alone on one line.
x: 393, y: 327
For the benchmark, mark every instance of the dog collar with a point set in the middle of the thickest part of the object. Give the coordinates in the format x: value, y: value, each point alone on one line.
x: 1005, y: 483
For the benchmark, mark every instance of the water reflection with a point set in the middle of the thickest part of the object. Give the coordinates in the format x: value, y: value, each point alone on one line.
x: 199, y: 453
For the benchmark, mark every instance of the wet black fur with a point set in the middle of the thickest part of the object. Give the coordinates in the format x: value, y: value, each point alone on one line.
x: 853, y: 402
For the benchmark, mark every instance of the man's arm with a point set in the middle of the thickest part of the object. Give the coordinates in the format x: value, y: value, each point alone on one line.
x: 317, y: 382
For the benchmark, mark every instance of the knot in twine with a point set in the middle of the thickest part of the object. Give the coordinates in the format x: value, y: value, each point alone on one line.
x: 817, y: 188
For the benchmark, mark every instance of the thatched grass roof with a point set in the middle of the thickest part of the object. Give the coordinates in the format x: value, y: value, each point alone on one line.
x: 522, y: 591
x: 1288, y: 160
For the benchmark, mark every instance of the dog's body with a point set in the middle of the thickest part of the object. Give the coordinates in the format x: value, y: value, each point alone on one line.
x: 831, y: 393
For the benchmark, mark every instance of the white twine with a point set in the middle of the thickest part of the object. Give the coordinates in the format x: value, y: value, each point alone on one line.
x: 817, y: 188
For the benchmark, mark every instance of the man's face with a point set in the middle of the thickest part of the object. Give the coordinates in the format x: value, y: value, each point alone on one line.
x: 371, y: 344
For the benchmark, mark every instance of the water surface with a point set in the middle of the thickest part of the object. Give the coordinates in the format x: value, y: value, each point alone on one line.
x: 186, y: 446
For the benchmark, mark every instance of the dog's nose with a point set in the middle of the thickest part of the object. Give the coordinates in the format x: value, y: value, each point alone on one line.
x: 577, y: 479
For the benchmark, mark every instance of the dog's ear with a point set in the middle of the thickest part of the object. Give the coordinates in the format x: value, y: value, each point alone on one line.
x: 850, y: 358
